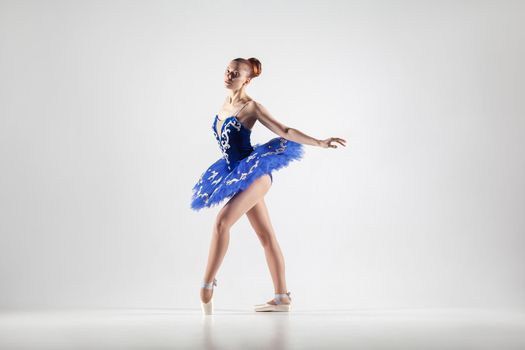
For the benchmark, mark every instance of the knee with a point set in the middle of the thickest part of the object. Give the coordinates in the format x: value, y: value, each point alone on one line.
x: 222, y: 226
x: 267, y: 239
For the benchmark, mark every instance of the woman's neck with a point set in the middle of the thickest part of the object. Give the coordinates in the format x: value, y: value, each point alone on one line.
x: 238, y: 96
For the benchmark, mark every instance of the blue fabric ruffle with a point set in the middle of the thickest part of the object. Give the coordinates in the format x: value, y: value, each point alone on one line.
x: 217, y: 183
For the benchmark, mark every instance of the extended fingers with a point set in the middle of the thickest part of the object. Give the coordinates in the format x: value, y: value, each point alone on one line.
x: 336, y: 139
x: 341, y: 141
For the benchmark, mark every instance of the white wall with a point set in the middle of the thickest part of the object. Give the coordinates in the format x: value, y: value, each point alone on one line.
x: 106, y: 109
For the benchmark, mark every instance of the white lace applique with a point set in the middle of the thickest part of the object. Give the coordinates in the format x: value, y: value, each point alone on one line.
x: 203, y: 195
x: 243, y: 175
x: 212, y: 176
x: 216, y: 181
x: 251, y: 156
x: 225, y: 138
x: 277, y: 150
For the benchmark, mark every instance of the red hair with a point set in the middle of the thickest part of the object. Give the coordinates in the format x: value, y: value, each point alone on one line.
x: 254, y: 64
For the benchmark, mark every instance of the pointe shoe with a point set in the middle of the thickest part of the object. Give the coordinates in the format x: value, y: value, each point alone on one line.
x: 279, y: 304
x: 207, y: 308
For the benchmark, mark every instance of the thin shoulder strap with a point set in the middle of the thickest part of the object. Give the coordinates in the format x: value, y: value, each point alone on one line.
x: 242, y: 108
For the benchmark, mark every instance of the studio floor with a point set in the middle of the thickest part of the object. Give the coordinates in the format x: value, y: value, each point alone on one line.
x: 242, y: 329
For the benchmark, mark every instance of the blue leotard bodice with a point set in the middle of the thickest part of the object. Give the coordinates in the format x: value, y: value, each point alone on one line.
x: 241, y: 162
x: 234, y: 140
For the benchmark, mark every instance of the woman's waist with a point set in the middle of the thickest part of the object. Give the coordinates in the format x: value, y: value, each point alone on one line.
x: 238, y: 153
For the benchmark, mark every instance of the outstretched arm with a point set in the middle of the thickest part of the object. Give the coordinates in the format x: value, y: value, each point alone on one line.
x: 289, y: 133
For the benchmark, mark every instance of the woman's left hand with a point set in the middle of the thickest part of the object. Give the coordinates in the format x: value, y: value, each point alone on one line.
x: 327, y: 143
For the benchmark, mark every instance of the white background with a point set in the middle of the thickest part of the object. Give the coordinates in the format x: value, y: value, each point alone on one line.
x: 106, y: 110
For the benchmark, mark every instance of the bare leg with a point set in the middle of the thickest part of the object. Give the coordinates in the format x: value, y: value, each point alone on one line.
x: 260, y: 220
x: 237, y: 206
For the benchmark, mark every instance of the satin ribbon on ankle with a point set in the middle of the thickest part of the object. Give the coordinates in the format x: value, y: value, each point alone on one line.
x: 210, y: 284
x: 279, y: 296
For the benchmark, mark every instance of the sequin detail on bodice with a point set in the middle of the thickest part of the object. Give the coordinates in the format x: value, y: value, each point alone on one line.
x: 234, y: 140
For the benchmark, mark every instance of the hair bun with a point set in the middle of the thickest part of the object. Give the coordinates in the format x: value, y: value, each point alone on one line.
x: 256, y: 66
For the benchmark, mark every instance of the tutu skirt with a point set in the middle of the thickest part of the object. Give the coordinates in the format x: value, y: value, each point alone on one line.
x: 218, y: 183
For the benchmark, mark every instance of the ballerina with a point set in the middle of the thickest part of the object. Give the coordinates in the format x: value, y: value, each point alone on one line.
x: 244, y: 175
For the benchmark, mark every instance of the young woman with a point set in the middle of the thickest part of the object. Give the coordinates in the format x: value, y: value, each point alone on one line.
x: 244, y: 174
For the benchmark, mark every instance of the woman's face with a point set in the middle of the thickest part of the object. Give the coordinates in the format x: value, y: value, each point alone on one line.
x: 235, y: 75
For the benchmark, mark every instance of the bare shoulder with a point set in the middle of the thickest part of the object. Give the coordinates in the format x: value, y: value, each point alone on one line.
x: 258, y: 109
x: 250, y: 108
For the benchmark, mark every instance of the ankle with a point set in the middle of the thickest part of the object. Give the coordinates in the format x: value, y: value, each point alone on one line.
x: 209, y: 285
x: 206, y: 291
x: 283, y: 298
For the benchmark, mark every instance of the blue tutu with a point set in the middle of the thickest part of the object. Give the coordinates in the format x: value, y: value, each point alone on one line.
x: 241, y: 163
